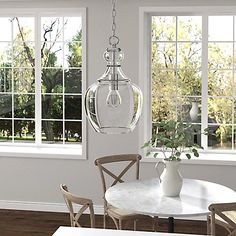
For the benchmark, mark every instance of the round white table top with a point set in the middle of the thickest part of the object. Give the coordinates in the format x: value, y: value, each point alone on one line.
x: 145, y: 197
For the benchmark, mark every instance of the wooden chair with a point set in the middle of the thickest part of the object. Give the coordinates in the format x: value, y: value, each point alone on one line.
x: 103, y: 164
x: 223, y: 214
x: 84, y: 203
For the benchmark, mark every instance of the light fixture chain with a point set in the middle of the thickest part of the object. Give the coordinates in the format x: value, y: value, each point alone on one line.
x: 113, y: 18
x: 113, y: 40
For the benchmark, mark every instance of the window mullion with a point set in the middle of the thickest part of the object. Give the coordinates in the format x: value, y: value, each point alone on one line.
x: 12, y: 85
x: 233, y: 88
x: 38, y: 109
x: 204, y: 115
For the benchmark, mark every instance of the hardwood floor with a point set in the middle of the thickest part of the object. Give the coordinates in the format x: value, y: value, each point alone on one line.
x: 32, y: 223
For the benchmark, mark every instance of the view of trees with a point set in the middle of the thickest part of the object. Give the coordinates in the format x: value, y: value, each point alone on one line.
x: 61, y: 87
x: 177, y: 75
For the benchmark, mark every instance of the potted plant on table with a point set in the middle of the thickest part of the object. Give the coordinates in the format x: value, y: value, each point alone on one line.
x: 174, y: 139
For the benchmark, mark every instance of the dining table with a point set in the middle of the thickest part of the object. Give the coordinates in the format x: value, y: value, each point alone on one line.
x: 145, y: 197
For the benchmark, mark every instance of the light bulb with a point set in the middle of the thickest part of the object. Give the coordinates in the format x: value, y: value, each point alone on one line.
x: 113, y: 98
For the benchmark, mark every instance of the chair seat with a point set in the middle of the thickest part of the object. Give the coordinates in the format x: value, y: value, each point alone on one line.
x: 123, y: 214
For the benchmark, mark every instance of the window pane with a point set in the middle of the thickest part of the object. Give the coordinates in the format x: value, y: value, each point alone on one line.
x: 220, y: 55
x: 5, y: 54
x: 189, y: 109
x: 189, y: 81
x: 234, y: 136
x: 24, y: 131
x: 163, y: 28
x: 6, y: 131
x: 52, y: 107
x: 164, y: 55
x: 234, y: 111
x: 220, y: 82
x: 72, y: 28
x: 52, y: 81
x: 5, y: 23
x: 73, y: 107
x: 220, y: 28
x: 5, y: 106
x: 52, y: 54
x: 24, y: 106
x: 52, y: 132
x: 189, y: 55
x: 189, y: 28
x: 220, y: 110
x: 73, y: 81
x: 23, y: 54
x: 51, y: 29
x: 163, y: 82
x: 163, y: 108
x: 5, y: 79
x: 24, y: 80
x: 73, y: 54
x: 23, y: 28
x: 189, y: 63
x: 222, y: 138
x: 73, y: 132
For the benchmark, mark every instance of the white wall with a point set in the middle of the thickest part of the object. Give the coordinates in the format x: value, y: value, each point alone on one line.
x: 37, y: 180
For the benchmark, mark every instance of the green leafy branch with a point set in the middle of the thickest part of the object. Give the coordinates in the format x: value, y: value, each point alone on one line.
x: 173, y: 138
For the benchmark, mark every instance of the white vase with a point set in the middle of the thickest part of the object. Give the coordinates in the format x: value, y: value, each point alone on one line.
x: 171, y: 180
x: 194, y: 111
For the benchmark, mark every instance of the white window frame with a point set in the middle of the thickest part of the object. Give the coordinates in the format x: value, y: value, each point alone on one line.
x: 211, y: 157
x: 55, y: 151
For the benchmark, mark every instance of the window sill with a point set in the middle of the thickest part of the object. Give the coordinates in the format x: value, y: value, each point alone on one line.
x: 222, y: 159
x: 42, y: 152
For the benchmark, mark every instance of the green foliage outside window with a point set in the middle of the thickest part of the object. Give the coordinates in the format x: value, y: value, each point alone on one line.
x: 177, y: 77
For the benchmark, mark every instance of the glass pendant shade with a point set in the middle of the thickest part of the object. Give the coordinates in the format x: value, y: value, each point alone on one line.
x: 113, y: 104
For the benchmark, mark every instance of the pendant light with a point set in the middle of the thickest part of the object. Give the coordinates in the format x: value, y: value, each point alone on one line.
x: 113, y: 104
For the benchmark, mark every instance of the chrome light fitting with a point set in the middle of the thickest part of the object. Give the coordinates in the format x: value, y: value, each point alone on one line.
x: 113, y: 104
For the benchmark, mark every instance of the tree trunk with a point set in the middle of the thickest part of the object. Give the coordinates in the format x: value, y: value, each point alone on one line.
x: 48, y: 128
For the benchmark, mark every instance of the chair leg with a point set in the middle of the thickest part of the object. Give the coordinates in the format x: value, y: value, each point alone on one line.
x: 155, y: 223
x: 213, y: 227
x: 233, y: 233
x: 115, y: 222
x: 120, y: 224
x: 208, y: 225
x: 135, y: 225
x: 104, y: 220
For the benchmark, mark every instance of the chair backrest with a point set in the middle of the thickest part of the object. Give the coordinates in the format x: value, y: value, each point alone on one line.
x: 129, y: 159
x: 84, y: 203
x: 227, y: 212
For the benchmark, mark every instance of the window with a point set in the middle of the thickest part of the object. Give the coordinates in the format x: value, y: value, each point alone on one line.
x: 42, y: 78
x: 192, y: 61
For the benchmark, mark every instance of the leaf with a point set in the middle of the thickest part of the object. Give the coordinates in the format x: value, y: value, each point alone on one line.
x: 194, y: 150
x: 188, y: 156
x: 146, y: 144
x: 196, y: 154
x: 178, y: 154
x: 156, y: 154
x: 148, y: 153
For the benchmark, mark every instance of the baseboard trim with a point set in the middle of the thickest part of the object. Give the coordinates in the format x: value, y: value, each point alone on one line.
x: 59, y: 207
x: 41, y: 206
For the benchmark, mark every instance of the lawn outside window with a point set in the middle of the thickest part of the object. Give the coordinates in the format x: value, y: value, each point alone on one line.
x: 42, y: 79
x: 187, y: 72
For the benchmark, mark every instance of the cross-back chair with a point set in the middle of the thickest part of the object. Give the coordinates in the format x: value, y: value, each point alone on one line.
x: 103, y: 164
x: 72, y: 200
x: 223, y: 214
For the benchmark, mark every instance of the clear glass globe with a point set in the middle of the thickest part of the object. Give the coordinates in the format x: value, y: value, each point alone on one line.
x: 113, y: 104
